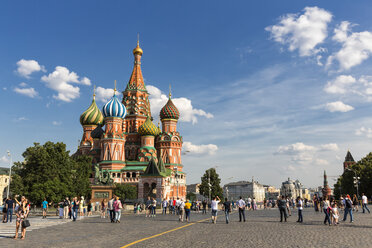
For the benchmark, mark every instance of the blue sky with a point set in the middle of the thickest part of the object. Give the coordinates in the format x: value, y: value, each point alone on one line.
x: 267, y: 89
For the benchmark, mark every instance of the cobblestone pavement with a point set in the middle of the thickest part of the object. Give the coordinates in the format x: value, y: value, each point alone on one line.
x: 262, y: 229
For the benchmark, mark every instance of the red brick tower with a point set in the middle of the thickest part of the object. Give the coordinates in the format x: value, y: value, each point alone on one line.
x: 135, y: 99
x: 349, y: 160
x: 326, y: 189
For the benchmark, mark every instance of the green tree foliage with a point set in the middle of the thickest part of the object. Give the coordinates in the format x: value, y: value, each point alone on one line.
x: 49, y: 172
x: 191, y: 196
x: 215, y: 181
x: 363, y: 169
x: 125, y: 191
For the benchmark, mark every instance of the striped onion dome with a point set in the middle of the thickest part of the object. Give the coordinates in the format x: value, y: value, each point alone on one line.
x: 169, y: 111
x: 114, y: 108
x: 92, y: 116
x: 148, y: 128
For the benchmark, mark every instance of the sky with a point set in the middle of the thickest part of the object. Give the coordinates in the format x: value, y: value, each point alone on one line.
x: 266, y: 89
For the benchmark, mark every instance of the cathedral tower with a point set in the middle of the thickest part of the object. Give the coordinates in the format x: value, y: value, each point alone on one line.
x: 349, y: 160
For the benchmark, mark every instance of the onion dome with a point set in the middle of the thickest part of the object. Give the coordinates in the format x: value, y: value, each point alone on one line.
x: 92, y: 116
x: 169, y: 111
x: 114, y: 108
x: 97, y: 132
x: 138, y: 49
x: 148, y: 128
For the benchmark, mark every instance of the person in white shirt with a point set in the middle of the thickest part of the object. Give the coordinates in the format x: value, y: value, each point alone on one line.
x: 249, y: 203
x: 300, y: 208
x: 241, y: 205
x: 214, y: 206
x: 165, y: 205
x: 365, y: 203
x: 181, y: 208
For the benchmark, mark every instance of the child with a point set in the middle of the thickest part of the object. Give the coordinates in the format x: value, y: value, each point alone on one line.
x: 335, y: 214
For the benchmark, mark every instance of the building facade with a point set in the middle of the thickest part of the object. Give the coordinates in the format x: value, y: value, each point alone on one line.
x: 124, y: 142
x: 4, y: 181
x: 291, y: 188
x: 244, y: 189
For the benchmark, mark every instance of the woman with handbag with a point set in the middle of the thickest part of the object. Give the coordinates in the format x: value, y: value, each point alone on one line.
x: 117, y: 208
x: 22, y: 213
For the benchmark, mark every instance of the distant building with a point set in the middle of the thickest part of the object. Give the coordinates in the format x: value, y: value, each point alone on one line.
x: 326, y: 189
x: 271, y: 192
x: 306, y: 194
x: 244, y: 189
x: 4, y: 181
x: 349, y: 160
x: 291, y: 188
x: 193, y: 188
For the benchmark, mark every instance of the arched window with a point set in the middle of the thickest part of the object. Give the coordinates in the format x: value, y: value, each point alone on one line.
x: 134, y: 174
x: 128, y: 174
x: 118, y: 175
x: 113, y: 175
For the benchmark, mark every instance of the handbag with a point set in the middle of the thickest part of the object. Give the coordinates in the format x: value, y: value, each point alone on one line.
x: 25, y: 223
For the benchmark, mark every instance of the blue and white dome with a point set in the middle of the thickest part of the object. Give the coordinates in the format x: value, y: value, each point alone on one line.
x: 114, y: 108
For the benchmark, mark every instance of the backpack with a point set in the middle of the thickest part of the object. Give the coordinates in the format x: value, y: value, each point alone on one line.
x: 348, y: 203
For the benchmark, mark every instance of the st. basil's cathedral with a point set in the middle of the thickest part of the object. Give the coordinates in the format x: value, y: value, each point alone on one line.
x: 124, y: 142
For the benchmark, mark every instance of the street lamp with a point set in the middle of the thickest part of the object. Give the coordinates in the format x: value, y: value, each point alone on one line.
x: 356, y: 181
x: 176, y: 176
x: 10, y: 172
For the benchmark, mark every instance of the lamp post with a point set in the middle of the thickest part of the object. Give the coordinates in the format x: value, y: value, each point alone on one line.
x: 10, y: 173
x: 356, y: 181
x: 176, y: 176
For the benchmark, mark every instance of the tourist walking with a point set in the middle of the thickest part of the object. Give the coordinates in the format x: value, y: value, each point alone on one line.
x: 241, y: 205
x: 74, y: 208
x: 103, y: 208
x: 204, y: 203
x: 355, y: 203
x: 66, y: 205
x: 110, y: 207
x: 300, y: 208
x: 187, y: 210
x: 81, y: 206
x: 335, y: 214
x: 214, y: 207
x: 165, y: 205
x: 5, y: 211
x: 365, y: 203
x: 89, y: 208
x: 44, y: 206
x: 10, y: 204
x: 227, y: 209
x: 282, y: 205
x: 348, y: 208
x: 153, y: 207
x: 249, y: 203
x: 180, y: 209
x: 326, y: 210
x: 60, y: 209
x: 22, y: 213
x: 148, y: 206
x: 117, y: 208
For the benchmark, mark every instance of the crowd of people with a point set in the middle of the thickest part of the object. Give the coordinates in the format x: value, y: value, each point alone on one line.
x: 112, y: 208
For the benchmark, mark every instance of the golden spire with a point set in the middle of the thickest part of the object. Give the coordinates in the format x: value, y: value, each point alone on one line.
x: 138, y: 49
x: 94, y: 92
x: 170, y: 91
x: 115, y: 89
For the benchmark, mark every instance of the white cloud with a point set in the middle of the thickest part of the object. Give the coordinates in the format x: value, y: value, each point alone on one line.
x: 57, y: 123
x: 30, y: 92
x: 104, y: 95
x: 4, y: 159
x: 187, y: 112
x: 329, y: 147
x: 364, y: 132
x: 302, y: 32
x: 61, y: 80
x: 338, y: 106
x: 23, y: 84
x: 19, y: 119
x: 5, y: 88
x: 306, y: 154
x: 26, y: 67
x: 209, y: 149
x: 356, y: 47
x: 339, y: 85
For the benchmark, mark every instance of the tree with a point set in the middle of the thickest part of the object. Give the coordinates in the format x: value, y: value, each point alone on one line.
x: 191, y: 196
x: 363, y: 169
x: 49, y: 172
x: 125, y: 191
x: 215, y: 181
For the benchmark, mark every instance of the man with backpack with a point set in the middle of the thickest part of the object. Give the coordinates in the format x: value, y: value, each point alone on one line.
x: 348, y: 208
